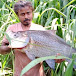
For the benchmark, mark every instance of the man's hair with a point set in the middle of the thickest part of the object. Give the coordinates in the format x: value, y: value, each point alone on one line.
x: 20, y: 4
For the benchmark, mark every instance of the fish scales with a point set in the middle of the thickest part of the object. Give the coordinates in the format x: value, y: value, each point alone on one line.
x: 47, y: 44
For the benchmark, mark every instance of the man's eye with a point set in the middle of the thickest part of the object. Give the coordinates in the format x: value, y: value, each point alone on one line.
x: 22, y: 14
x: 28, y: 12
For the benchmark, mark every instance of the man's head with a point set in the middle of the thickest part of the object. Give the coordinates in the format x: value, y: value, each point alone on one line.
x: 24, y: 11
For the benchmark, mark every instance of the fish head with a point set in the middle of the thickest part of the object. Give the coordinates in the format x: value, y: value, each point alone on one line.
x: 18, y: 39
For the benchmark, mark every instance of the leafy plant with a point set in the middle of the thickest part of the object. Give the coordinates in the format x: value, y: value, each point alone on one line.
x: 59, y: 15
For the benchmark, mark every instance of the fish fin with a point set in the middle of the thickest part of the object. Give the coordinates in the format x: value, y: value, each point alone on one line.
x: 51, y: 63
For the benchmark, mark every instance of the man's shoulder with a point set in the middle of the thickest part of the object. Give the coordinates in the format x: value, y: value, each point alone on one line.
x: 13, y: 27
x: 36, y: 27
x: 33, y: 24
x: 16, y: 24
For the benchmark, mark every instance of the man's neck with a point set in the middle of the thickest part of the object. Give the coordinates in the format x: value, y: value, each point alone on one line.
x: 25, y: 27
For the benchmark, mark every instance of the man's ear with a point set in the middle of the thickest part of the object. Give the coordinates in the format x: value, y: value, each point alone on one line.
x: 33, y: 13
x: 17, y: 14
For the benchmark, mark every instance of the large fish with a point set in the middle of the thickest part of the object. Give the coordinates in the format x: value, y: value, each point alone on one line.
x: 41, y: 44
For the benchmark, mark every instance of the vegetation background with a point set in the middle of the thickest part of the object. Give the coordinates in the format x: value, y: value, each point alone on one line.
x: 59, y: 15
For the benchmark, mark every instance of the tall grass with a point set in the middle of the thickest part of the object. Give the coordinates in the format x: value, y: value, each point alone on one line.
x: 59, y: 15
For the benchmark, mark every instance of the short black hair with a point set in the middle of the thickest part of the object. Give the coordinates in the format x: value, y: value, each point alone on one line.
x: 20, y: 4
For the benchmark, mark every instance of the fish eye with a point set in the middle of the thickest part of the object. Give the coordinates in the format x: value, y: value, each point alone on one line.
x: 16, y: 35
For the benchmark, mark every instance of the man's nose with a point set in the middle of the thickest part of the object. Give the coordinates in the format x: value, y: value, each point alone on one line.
x: 26, y: 16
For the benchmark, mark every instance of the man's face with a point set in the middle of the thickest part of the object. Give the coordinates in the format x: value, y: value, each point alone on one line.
x: 25, y: 15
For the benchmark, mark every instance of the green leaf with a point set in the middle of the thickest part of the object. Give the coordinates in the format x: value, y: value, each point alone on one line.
x: 69, y: 69
x: 55, y: 10
x: 12, y: 11
x: 38, y: 60
x: 68, y: 4
x: 7, y: 36
x: 59, y: 31
x: 74, y: 56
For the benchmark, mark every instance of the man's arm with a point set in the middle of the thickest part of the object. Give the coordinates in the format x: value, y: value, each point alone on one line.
x: 4, y: 48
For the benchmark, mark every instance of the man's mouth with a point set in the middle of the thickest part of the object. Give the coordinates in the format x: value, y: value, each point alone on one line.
x: 26, y: 20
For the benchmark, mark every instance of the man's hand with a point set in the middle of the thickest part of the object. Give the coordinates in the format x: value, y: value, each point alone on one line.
x: 4, y: 49
x: 59, y: 60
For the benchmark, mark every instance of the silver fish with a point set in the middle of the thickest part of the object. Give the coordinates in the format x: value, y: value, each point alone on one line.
x: 44, y: 43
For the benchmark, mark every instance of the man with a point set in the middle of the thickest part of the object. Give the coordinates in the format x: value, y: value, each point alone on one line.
x: 24, y: 10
